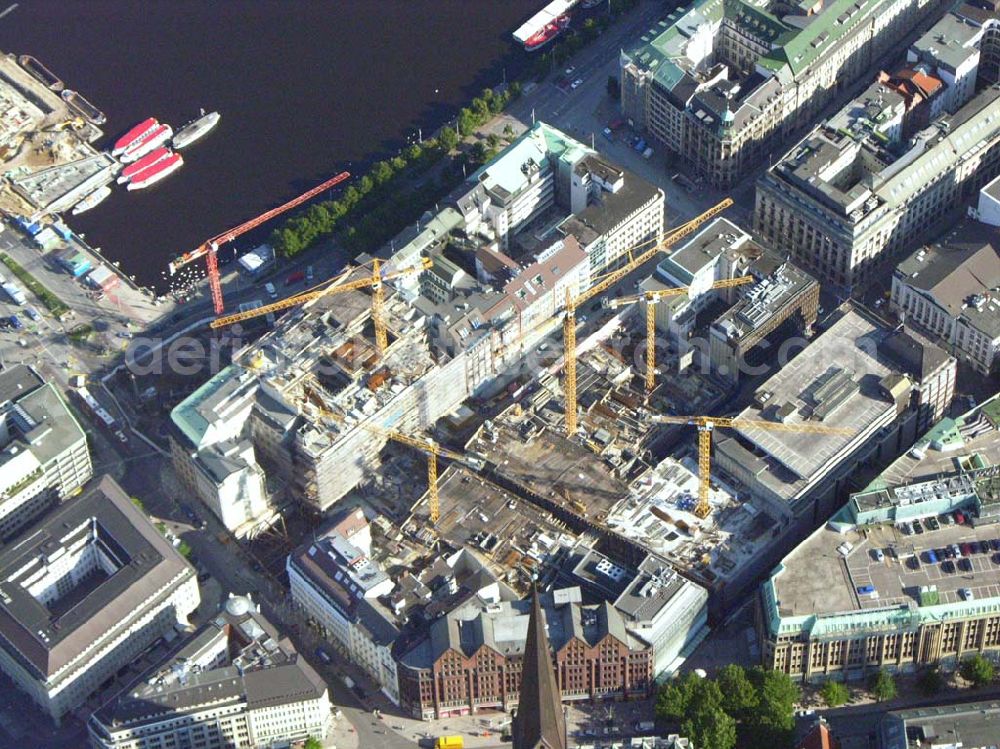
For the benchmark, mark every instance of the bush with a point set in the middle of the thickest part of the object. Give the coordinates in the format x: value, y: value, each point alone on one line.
x: 882, y: 686
x: 184, y: 549
x: 977, y: 670
x: 834, y: 693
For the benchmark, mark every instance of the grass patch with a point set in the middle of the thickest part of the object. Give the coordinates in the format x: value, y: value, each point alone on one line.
x: 54, y: 304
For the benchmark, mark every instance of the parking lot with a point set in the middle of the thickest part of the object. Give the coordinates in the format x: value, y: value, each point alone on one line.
x: 896, y: 564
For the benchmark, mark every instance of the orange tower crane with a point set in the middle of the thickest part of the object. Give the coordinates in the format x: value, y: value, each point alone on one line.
x: 652, y: 298
x: 706, y: 424
x: 569, y: 321
x: 208, y: 249
x: 336, y: 286
x: 431, y: 449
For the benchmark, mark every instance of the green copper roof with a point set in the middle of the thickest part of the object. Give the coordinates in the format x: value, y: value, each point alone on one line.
x: 792, y: 47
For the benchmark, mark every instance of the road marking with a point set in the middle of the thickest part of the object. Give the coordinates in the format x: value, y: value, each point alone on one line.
x: 9, y: 10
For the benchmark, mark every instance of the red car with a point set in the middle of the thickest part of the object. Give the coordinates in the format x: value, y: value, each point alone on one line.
x: 966, y: 549
x: 296, y: 277
x: 959, y: 517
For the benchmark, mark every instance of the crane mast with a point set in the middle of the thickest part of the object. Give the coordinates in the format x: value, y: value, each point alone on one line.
x: 569, y: 323
x: 209, y: 249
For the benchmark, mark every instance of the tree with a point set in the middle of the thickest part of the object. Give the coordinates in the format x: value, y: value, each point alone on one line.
x: 312, y: 743
x: 738, y: 694
x: 977, y: 670
x: 882, y: 685
x: 138, y: 503
x: 382, y: 172
x: 398, y: 163
x: 184, y: 549
x: 834, y: 693
x: 676, y: 697
x: 466, y: 121
x: 710, y: 728
x: 493, y: 141
x: 614, y: 89
x: 479, y: 152
x: 414, y: 153
x: 930, y: 681
x: 772, y: 722
x: 515, y: 89
x: 508, y: 131
x: 448, y: 139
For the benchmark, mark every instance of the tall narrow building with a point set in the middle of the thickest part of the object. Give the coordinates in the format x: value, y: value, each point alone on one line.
x: 539, y: 721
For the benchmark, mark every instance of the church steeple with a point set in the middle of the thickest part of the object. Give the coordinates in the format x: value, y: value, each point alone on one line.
x: 539, y: 721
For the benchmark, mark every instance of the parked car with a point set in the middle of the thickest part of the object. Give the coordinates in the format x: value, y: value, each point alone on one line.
x: 948, y: 567
x: 931, y: 556
x: 879, y: 555
x: 966, y: 548
x: 933, y: 524
x: 576, y: 84
x: 15, y: 322
x: 966, y: 594
x: 32, y: 314
x: 271, y: 291
x: 965, y: 564
x: 309, y: 274
x: 296, y: 277
x: 959, y: 517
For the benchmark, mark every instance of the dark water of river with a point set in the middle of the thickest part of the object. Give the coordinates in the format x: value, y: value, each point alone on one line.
x: 305, y: 88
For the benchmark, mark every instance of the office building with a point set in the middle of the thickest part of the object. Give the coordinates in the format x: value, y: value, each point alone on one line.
x: 723, y: 84
x: 878, y: 384
x: 970, y: 724
x: 43, y: 449
x: 948, y: 291
x: 235, y: 683
x: 84, y: 591
x: 660, y: 607
x: 335, y: 581
x: 472, y: 658
x: 866, y: 591
x: 868, y: 183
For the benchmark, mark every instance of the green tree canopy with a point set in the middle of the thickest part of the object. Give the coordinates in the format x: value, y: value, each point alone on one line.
x: 312, y: 743
x: 882, y: 686
x: 978, y: 670
x: 738, y: 694
x: 710, y: 728
x: 834, y: 693
x: 448, y: 139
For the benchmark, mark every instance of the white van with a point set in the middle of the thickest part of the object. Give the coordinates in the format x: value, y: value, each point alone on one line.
x: 271, y: 291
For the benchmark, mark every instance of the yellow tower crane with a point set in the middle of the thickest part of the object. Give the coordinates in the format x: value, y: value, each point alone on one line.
x: 569, y: 321
x: 336, y: 286
x: 428, y: 447
x: 706, y: 424
x: 652, y: 298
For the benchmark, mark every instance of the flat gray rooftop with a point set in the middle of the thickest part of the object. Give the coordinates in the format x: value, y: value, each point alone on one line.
x: 973, y: 724
x: 820, y: 580
x: 46, y: 641
x: 844, y: 358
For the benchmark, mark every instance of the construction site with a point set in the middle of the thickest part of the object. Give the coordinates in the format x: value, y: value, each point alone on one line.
x: 434, y: 389
x: 46, y: 132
